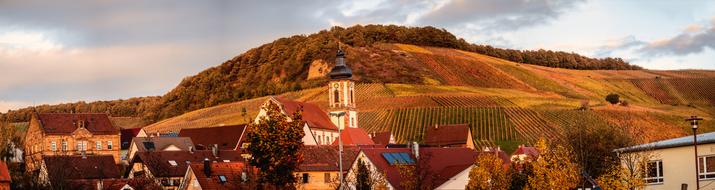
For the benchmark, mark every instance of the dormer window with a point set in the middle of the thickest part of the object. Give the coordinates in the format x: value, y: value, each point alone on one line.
x: 80, y: 123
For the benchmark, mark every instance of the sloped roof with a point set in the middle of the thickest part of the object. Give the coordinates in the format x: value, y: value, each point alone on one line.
x: 354, y: 136
x: 341, y: 70
x: 127, y: 135
x: 442, y: 163
x: 500, y: 154
x: 81, y: 167
x: 325, y: 157
x: 312, y: 114
x: 705, y: 138
x: 66, y: 123
x: 445, y: 135
x: 159, y: 165
x: 529, y: 151
x: 381, y: 138
x: 232, y: 171
x: 4, y: 172
x: 160, y: 143
x: 226, y: 137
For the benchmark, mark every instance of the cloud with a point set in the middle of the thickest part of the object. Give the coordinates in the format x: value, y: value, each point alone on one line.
x: 496, y: 15
x: 692, y: 40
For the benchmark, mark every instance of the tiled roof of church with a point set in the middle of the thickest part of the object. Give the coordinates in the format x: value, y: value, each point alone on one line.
x: 312, y: 114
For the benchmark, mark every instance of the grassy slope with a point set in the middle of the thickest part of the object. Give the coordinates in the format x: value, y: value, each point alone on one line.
x: 505, y: 103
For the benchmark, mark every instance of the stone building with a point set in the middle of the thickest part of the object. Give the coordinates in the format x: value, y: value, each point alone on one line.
x: 70, y: 134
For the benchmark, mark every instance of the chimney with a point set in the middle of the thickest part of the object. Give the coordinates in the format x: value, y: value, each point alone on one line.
x: 436, y: 126
x: 416, y: 149
x: 207, y: 167
x: 214, y: 150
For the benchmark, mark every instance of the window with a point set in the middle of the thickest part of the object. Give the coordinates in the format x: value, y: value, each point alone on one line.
x: 109, y: 145
x: 64, y: 145
x: 99, y: 145
x: 654, y: 172
x: 173, y: 163
x: 81, y: 145
x: 305, y: 177
x: 53, y: 146
x: 706, y: 167
x: 327, y: 178
x: 222, y: 179
x: 336, y: 95
x: 226, y: 161
x: 327, y: 140
x: 351, y: 97
x: 244, y: 177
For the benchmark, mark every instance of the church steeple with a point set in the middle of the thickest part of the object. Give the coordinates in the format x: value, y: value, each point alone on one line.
x: 341, y: 92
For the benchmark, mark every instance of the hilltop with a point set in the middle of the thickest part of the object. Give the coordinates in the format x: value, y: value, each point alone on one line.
x: 299, y: 62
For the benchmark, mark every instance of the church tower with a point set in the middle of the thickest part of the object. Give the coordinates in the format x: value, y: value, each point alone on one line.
x: 341, y: 94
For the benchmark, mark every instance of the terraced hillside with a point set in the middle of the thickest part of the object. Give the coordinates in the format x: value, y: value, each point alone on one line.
x: 505, y: 103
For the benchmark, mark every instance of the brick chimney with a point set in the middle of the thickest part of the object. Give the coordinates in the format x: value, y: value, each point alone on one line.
x: 207, y: 167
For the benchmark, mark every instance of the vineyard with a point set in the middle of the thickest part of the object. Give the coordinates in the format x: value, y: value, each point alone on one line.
x: 700, y: 90
x: 227, y: 114
x: 531, y: 126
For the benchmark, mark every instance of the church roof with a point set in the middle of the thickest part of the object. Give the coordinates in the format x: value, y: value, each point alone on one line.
x: 340, y: 71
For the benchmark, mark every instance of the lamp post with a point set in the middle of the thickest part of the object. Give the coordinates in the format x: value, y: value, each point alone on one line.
x: 340, y: 145
x: 694, y: 123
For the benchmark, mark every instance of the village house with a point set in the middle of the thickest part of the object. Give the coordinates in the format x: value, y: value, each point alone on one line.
x: 70, y: 134
x: 74, y: 171
x: 448, y: 167
x: 225, y: 137
x: 144, y: 144
x: 169, y: 167
x: 459, y: 135
x: 4, y: 176
x: 320, y: 167
x: 671, y: 161
x: 219, y: 175
x: 524, y: 154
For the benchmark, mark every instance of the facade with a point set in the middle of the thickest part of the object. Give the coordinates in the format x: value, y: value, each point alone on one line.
x: 169, y: 167
x: 144, y: 144
x: 671, y: 163
x: 70, y: 134
x: 225, y: 137
x: 341, y: 94
x: 459, y: 135
x: 449, y: 166
x: 320, y: 169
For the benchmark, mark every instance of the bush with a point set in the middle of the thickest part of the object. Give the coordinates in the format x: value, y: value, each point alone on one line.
x: 613, y: 98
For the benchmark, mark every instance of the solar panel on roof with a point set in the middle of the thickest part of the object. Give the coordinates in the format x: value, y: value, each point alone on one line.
x: 149, y: 145
x: 389, y: 158
x: 406, y: 157
x: 399, y: 158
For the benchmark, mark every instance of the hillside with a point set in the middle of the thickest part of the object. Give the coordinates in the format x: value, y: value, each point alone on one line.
x: 299, y: 62
x: 506, y: 103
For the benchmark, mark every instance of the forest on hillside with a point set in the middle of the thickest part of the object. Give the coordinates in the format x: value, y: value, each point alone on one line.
x: 282, y: 66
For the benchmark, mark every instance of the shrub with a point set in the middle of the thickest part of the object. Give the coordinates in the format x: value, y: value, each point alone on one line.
x: 613, y: 98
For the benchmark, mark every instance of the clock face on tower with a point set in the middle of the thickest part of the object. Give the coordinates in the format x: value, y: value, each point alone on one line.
x: 335, y: 85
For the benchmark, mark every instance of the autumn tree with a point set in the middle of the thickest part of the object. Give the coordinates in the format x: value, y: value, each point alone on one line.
x: 613, y: 98
x: 275, y: 143
x: 593, y: 145
x: 417, y: 176
x: 489, y: 173
x: 554, y: 169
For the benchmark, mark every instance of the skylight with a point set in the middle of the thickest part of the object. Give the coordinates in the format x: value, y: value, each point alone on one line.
x: 173, y: 163
x: 222, y: 179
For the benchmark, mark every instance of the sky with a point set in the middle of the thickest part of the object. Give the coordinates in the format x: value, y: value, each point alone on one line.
x: 66, y: 51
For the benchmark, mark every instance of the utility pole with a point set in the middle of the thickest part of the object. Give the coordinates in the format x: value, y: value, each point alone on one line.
x: 694, y: 123
x: 340, y: 146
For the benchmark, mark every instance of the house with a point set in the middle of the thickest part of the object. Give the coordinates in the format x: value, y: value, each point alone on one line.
x: 318, y: 128
x: 383, y: 138
x: 354, y: 137
x: 445, y: 168
x: 320, y: 168
x: 169, y: 167
x: 524, y: 154
x: 73, y: 169
x: 669, y: 160
x: 226, y: 137
x: 143, y: 144
x: 499, y: 153
x: 4, y: 176
x: 127, y: 135
x: 219, y: 175
x: 101, y: 184
x: 459, y: 135
x: 70, y: 134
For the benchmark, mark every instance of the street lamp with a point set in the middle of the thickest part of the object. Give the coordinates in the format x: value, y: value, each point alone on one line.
x: 694, y: 122
x: 340, y: 146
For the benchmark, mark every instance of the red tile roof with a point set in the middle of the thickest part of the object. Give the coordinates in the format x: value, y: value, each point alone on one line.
x: 446, y: 135
x: 66, y: 123
x: 226, y: 137
x: 528, y: 151
x: 4, y: 172
x: 158, y: 161
x: 354, y: 136
x: 79, y: 167
x: 232, y: 171
x: 127, y: 135
x: 500, y: 154
x: 325, y: 157
x: 382, y: 138
x: 442, y: 163
x: 312, y: 114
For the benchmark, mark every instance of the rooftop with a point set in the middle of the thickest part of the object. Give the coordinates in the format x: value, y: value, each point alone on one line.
x: 705, y: 138
x: 354, y: 136
x: 445, y: 135
x: 224, y: 175
x: 175, y: 163
x: 226, y: 137
x: 66, y: 123
x: 312, y: 114
x: 325, y: 157
x: 81, y: 167
x: 341, y: 70
x: 161, y: 143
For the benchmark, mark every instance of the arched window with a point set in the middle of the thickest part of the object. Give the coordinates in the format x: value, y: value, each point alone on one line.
x: 337, y: 96
x: 351, y: 96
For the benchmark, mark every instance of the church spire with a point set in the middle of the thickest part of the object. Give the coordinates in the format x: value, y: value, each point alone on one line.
x: 340, y: 71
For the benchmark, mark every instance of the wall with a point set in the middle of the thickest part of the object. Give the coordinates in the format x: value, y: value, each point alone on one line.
x: 316, y: 180
x: 679, y: 166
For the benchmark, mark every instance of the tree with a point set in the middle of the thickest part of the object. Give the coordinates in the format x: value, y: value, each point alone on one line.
x: 554, y: 168
x: 363, y: 180
x: 275, y: 143
x: 418, y: 176
x: 613, y: 98
x: 593, y: 145
x: 489, y: 173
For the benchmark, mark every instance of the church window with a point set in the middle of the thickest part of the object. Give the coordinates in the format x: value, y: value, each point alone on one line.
x: 336, y: 99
